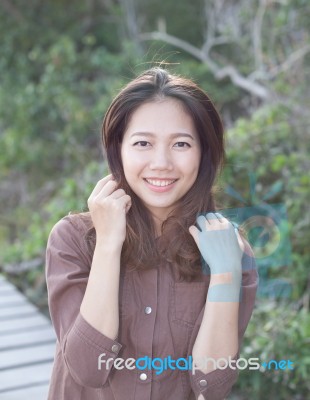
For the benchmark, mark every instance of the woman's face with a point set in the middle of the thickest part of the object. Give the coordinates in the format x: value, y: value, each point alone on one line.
x: 160, y: 154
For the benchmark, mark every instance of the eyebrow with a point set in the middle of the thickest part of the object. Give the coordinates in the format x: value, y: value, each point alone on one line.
x: 173, y: 135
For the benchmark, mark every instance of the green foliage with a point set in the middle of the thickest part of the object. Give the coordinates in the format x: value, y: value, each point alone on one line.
x: 273, y: 144
x: 278, y: 154
x: 70, y: 194
x: 277, y: 332
x: 176, y: 15
x: 61, y: 63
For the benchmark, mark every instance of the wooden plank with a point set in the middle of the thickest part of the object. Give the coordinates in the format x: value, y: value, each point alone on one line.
x: 11, y: 301
x: 13, y: 295
x: 20, y: 339
x: 2, y: 280
x: 25, y: 376
x: 26, y: 356
x: 26, y: 324
x: 6, y: 290
x: 6, y: 285
x: 33, y: 393
x: 27, y: 347
x: 26, y: 308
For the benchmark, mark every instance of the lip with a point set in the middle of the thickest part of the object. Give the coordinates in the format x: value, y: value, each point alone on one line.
x: 160, y: 179
x: 160, y: 189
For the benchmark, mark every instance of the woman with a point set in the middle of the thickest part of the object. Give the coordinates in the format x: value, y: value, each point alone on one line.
x: 151, y: 281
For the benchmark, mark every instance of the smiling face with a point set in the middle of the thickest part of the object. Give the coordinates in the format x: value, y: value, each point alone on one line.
x: 160, y: 154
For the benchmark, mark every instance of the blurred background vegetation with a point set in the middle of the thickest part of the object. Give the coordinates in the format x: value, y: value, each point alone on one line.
x: 61, y: 63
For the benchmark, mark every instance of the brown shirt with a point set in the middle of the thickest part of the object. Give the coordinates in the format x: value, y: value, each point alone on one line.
x: 159, y: 317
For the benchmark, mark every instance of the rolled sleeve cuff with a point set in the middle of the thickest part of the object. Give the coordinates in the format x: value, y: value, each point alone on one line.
x: 89, y: 354
x: 214, y: 385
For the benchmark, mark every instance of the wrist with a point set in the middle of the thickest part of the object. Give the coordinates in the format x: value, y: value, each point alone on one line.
x: 224, y: 293
x: 226, y: 278
x: 225, y: 287
x: 220, y: 279
x: 108, y: 245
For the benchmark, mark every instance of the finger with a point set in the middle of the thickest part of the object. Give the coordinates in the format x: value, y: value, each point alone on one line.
x: 211, y: 218
x: 117, y: 193
x: 216, y: 222
x: 107, y: 189
x: 235, y: 225
x: 128, y: 205
x: 201, y: 222
x: 194, y: 232
x: 219, y: 216
x: 100, y: 184
x: 125, y: 201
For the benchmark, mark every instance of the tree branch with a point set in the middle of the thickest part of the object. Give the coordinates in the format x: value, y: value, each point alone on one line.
x: 220, y: 73
x: 257, y: 34
x: 243, y: 82
x: 181, y: 44
x: 132, y: 22
x: 294, y: 57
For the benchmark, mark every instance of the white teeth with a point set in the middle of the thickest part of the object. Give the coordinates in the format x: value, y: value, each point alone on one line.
x: 159, y: 183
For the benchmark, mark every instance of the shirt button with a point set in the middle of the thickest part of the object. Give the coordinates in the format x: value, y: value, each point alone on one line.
x: 143, y: 377
x: 115, y: 348
x: 148, y: 310
x: 203, y: 382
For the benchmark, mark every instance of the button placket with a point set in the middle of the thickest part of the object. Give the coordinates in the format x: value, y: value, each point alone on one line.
x: 115, y: 348
x: 203, y: 383
x: 148, y: 310
x: 143, y: 376
x: 147, y: 296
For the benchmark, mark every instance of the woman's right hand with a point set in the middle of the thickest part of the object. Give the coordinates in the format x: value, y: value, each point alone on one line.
x: 108, y: 207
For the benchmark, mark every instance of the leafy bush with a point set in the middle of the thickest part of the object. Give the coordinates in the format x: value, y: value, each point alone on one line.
x: 277, y: 332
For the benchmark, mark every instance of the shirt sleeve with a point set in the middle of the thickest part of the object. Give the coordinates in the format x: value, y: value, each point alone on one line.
x: 67, y: 269
x: 217, y: 384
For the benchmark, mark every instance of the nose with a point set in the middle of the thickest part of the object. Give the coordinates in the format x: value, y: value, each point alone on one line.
x: 161, y: 160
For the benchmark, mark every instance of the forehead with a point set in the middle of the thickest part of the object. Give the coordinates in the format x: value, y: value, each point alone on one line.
x: 167, y: 115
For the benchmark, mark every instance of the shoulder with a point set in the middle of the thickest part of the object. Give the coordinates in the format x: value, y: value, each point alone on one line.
x: 72, y: 228
x: 80, y: 222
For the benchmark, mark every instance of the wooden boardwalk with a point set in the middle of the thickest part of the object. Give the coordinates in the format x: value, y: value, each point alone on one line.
x: 27, y: 345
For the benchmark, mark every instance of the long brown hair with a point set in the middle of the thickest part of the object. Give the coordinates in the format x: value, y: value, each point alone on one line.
x: 141, y: 250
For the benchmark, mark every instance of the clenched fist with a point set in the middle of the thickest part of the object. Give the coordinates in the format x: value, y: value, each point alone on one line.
x: 108, y: 207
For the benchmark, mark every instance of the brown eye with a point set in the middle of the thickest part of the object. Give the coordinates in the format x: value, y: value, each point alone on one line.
x: 183, y: 144
x: 143, y: 143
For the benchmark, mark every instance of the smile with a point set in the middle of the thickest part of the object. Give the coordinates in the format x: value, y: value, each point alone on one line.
x: 160, y: 183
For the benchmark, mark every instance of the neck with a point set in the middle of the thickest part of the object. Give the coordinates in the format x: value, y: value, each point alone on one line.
x: 158, y: 221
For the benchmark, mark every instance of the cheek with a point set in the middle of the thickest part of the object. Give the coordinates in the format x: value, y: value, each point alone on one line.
x: 132, y: 164
x: 126, y: 158
x: 192, y: 173
x: 190, y: 165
